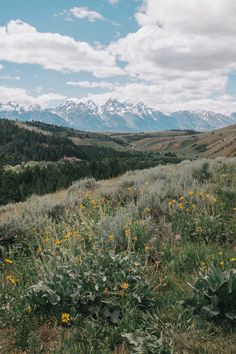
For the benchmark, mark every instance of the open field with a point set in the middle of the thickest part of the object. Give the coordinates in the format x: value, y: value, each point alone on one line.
x: 106, y: 267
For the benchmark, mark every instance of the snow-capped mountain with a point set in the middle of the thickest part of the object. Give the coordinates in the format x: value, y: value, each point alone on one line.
x: 116, y: 116
x: 13, y: 111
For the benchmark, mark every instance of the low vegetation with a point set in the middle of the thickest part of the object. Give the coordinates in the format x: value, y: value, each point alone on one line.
x: 143, y: 263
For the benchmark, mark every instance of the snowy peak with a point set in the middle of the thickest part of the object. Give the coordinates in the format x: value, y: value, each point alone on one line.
x: 117, y: 116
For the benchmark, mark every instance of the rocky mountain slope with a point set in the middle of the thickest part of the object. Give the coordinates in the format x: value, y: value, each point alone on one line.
x: 117, y: 116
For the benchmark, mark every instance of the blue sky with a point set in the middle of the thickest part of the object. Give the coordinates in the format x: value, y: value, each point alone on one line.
x: 141, y: 50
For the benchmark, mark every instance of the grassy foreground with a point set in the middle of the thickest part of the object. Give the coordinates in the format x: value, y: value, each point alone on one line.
x: 144, y: 263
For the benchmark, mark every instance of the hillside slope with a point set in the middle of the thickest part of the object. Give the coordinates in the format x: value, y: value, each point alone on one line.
x: 105, y: 267
x: 220, y: 142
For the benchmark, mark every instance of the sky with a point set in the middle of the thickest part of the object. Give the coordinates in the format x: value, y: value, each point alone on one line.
x: 170, y: 54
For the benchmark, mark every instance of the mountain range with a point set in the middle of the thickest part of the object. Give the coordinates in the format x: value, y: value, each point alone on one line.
x: 116, y: 116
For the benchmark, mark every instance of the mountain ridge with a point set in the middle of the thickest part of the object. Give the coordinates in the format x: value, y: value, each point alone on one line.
x: 116, y: 116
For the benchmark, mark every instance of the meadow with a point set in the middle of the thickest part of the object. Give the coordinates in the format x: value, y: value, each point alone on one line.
x: 142, y: 263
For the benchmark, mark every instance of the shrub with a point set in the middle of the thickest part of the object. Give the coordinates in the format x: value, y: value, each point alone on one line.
x: 215, y: 294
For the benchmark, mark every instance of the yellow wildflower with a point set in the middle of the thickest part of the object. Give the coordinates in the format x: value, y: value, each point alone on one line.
x: 222, y: 263
x: 147, y: 210
x: 8, y: 261
x: 190, y: 193
x: 65, y: 318
x: 124, y: 286
x: 81, y: 206
x: 233, y: 259
x: 11, y: 279
x: 135, y: 238
x: 180, y: 206
x: 93, y: 203
x: 58, y: 242
x: 181, y: 198
x: 198, y: 230
x: 110, y: 237
x: 28, y: 309
x: 146, y: 248
x: 127, y: 232
x: 128, y: 189
x: 39, y: 250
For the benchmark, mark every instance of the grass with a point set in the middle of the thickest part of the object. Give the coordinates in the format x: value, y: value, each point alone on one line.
x: 105, y: 266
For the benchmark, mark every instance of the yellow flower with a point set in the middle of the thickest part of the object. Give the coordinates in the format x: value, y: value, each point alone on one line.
x: 198, y: 230
x: 124, y: 286
x: 172, y: 202
x: 8, y: 261
x: 11, y: 279
x: 222, y: 263
x: 81, y: 206
x: 181, y: 198
x: 28, y: 309
x: 233, y: 259
x: 58, y: 242
x: 93, y: 203
x: 128, y: 189
x: 127, y: 232
x: 135, y: 238
x: 147, y: 210
x: 146, y: 248
x: 65, y: 318
x: 39, y: 250
x: 110, y: 237
x: 180, y: 206
x: 190, y: 193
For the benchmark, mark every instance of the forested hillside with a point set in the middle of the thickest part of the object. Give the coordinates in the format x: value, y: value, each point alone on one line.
x: 38, y: 158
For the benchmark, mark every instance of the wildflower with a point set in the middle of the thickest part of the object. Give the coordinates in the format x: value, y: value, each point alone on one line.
x: 124, y: 286
x: 190, y: 193
x: 233, y: 259
x: 39, y: 250
x: 65, y: 318
x: 182, y: 198
x: 8, y: 261
x: 198, y: 230
x: 180, y: 206
x: 146, y: 248
x: 172, y: 202
x: 11, y: 279
x: 58, y: 242
x: 110, y: 237
x: 128, y: 189
x: 81, y: 206
x: 93, y: 203
x: 28, y: 309
x: 220, y: 253
x: 222, y: 263
x: 127, y: 232
x: 135, y: 238
x: 147, y: 210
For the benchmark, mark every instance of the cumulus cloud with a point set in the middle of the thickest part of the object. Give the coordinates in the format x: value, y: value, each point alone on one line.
x: 186, y: 49
x: 85, y: 13
x: 21, y: 43
x: 89, y: 84
x: 113, y: 2
x: 9, y: 77
x: 22, y: 97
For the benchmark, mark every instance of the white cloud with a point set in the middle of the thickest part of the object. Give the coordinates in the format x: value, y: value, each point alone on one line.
x: 21, y: 96
x: 89, y: 84
x: 21, y: 43
x: 185, y: 49
x: 113, y: 2
x: 85, y: 13
x: 9, y: 77
x: 1, y: 67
